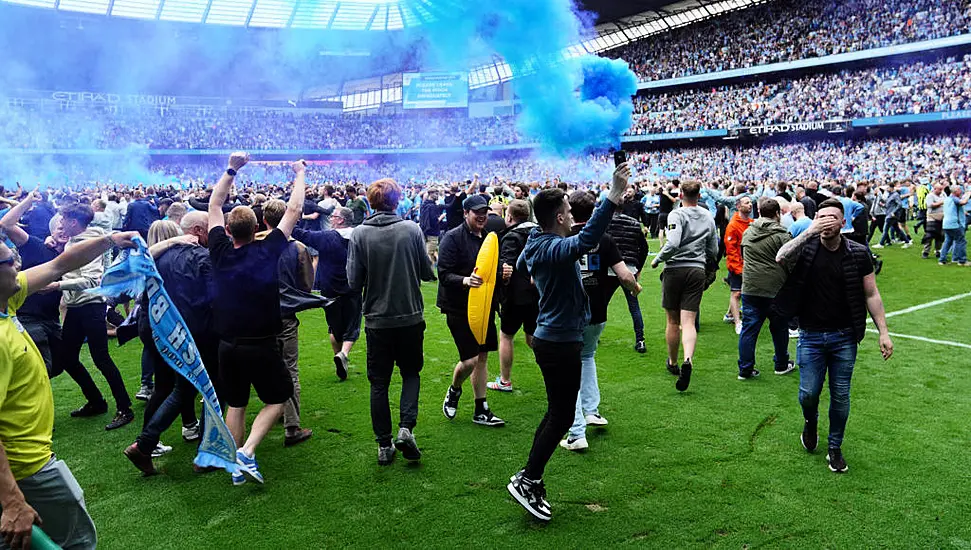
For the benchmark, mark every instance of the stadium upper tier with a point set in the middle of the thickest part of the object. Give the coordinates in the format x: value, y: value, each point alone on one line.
x: 788, y: 30
x: 912, y: 88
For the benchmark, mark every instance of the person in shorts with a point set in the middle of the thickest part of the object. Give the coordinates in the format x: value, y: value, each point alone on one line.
x: 456, y: 272
x: 247, y: 316
x: 734, y: 260
x: 692, y: 244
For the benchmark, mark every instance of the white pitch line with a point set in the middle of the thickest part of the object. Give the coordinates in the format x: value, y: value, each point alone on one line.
x: 922, y: 339
x: 919, y: 307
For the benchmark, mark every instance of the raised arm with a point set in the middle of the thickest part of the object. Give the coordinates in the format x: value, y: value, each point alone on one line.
x: 219, y: 193
x: 10, y: 220
x: 297, y: 196
x: 74, y: 257
x: 570, y: 248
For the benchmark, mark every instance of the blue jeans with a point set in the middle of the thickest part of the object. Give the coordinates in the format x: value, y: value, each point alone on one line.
x: 635, y: 314
x: 821, y: 353
x: 588, y: 400
x: 891, y: 225
x: 956, y: 244
x: 755, y: 310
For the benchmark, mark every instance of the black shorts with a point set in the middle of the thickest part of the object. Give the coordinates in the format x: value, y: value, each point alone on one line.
x: 344, y: 317
x: 465, y: 341
x: 681, y: 288
x: 662, y: 221
x: 255, y: 362
x: 734, y: 282
x: 515, y: 316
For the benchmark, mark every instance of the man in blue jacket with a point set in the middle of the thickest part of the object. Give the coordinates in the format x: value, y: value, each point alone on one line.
x: 550, y: 257
x: 141, y: 213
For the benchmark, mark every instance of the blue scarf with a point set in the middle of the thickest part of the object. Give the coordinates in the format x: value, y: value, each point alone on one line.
x: 133, y: 273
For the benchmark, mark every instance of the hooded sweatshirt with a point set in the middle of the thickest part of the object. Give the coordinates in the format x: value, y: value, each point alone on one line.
x: 74, y: 283
x: 390, y: 252
x: 763, y: 276
x: 692, y: 238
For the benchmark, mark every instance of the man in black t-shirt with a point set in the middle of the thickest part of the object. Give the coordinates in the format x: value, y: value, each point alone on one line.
x: 247, y: 315
x: 602, y: 270
x: 830, y: 289
x: 667, y: 201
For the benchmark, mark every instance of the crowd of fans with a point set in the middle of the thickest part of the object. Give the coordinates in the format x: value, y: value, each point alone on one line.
x: 919, y: 87
x: 787, y: 30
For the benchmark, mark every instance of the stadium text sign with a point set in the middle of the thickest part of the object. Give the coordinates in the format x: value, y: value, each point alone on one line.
x: 97, y: 98
x: 434, y: 90
x: 817, y: 126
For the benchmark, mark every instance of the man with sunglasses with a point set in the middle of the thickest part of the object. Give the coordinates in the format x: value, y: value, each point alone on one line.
x: 457, y: 255
x: 34, y: 486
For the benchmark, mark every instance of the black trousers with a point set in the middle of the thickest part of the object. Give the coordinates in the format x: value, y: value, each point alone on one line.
x: 385, y: 347
x: 560, y: 364
x: 167, y: 379
x: 878, y: 224
x: 88, y: 321
x: 46, y: 334
x: 652, y: 224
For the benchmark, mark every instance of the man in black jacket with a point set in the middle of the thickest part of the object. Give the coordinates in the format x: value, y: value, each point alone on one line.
x: 518, y: 296
x: 831, y: 288
x: 627, y: 233
x: 456, y: 273
x: 141, y: 213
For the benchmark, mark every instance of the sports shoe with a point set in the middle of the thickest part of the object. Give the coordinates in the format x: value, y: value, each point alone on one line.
x: 486, y: 418
x: 385, y: 455
x: 793, y: 333
x: 748, y: 374
x: 878, y: 245
x: 515, y: 477
x: 341, y: 362
x: 809, y: 437
x: 595, y: 420
x: 122, y: 418
x: 728, y: 319
x: 836, y: 461
x: 239, y: 478
x: 499, y: 385
x: 141, y: 460
x: 191, y: 432
x: 90, y: 409
x: 451, y: 404
x: 161, y: 449
x: 640, y: 347
x: 531, y: 495
x: 673, y: 369
x: 684, y: 378
x: 790, y: 366
x: 907, y: 244
x: 144, y: 393
x: 574, y: 444
x: 248, y: 466
x: 297, y: 436
x: 407, y: 445
x: 941, y: 263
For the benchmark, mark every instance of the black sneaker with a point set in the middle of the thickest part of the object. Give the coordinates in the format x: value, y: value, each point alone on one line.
x: 684, y: 377
x: 809, y: 437
x: 121, y: 418
x: 789, y: 367
x: 451, y: 405
x: 90, y: 409
x: 673, y: 369
x: 836, y: 461
x: 531, y: 495
x: 748, y: 374
x: 640, y: 347
x: 486, y: 418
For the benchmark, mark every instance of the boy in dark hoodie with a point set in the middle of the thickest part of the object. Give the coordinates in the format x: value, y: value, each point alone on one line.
x: 550, y: 258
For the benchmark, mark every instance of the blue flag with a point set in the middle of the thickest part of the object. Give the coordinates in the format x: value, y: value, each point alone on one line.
x: 133, y: 273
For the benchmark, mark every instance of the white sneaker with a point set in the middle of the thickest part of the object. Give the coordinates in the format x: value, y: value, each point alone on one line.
x: 571, y: 444
x: 595, y: 420
x: 161, y: 449
x: 793, y: 333
x: 878, y: 245
x: 191, y: 433
x: 907, y: 245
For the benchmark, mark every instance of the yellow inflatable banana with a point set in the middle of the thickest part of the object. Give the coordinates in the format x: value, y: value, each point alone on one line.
x: 480, y: 299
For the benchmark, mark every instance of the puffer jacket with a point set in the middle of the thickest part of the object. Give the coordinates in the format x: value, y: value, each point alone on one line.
x: 519, y: 290
x: 626, y: 232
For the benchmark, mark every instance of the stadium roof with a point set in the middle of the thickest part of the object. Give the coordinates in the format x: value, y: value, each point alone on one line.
x: 347, y: 15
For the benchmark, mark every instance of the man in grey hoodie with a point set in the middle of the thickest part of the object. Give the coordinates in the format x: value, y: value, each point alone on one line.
x: 386, y: 259
x: 692, y: 244
x: 762, y: 278
x: 85, y: 320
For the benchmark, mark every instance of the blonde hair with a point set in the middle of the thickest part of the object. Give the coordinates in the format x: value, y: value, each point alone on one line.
x: 273, y: 212
x: 162, y: 230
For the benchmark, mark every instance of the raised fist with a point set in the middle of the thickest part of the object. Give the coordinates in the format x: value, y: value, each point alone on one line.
x: 299, y: 166
x: 238, y: 160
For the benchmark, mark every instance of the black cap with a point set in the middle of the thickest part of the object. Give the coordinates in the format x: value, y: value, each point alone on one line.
x: 475, y: 202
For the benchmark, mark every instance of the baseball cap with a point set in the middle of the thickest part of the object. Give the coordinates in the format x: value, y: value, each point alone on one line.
x: 475, y: 202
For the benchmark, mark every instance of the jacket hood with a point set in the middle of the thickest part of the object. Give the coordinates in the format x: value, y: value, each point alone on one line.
x: 761, y: 229
x: 538, y: 241
x: 382, y: 219
x: 523, y: 227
